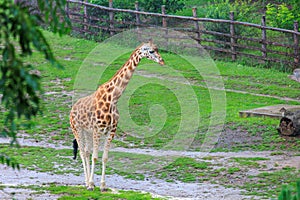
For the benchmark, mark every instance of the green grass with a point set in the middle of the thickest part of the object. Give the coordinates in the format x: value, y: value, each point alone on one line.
x: 81, y: 193
x: 183, y: 169
x: 276, y: 153
x: 232, y: 170
x: 71, y: 52
x: 265, y: 183
x: 43, y: 159
x: 249, y: 162
x: 52, y: 125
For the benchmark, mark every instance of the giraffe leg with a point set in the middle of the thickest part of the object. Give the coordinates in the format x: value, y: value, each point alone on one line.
x: 96, y: 143
x: 88, y: 168
x: 105, y: 158
x: 85, y: 156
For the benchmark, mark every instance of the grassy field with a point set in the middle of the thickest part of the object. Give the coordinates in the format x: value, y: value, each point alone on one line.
x: 58, y: 85
x: 244, y: 87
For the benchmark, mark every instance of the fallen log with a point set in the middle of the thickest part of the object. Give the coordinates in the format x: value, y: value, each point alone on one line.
x: 289, y: 123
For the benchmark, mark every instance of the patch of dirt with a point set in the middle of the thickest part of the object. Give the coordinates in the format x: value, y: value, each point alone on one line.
x: 240, y: 138
x: 229, y: 138
x: 9, y: 193
x: 27, y: 140
x: 174, y: 190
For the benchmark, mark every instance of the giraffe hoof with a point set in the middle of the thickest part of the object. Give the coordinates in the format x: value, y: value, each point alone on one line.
x: 90, y: 188
x: 103, y: 189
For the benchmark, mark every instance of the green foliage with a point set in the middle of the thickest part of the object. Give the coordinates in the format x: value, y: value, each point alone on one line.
x: 283, y: 15
x: 9, y: 162
x: 221, y: 10
x: 125, y: 4
x: 125, y: 19
x: 290, y: 193
x: 149, y: 6
x: 121, y: 17
x: 172, y: 6
x: 49, y: 11
x: 19, y: 36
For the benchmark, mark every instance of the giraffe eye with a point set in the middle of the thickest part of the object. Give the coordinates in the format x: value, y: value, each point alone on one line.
x: 151, y: 51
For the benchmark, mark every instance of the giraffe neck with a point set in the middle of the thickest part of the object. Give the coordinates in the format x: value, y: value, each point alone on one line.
x: 118, y: 83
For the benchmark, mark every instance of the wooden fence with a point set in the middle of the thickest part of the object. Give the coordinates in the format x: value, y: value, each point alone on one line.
x: 262, y: 43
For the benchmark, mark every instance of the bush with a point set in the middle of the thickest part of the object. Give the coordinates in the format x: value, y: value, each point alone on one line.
x: 149, y: 6
x: 221, y: 9
x: 172, y: 6
x: 290, y: 193
x: 123, y: 18
x: 283, y: 15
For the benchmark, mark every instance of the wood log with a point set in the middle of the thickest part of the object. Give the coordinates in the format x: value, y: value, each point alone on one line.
x: 289, y: 123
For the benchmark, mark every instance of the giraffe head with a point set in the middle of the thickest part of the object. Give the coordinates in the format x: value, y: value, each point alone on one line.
x: 150, y: 51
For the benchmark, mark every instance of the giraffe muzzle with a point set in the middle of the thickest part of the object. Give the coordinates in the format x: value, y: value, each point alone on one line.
x: 162, y: 62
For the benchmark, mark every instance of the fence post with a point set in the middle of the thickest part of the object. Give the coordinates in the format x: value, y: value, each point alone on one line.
x: 111, y: 18
x: 263, y: 38
x: 164, y: 23
x: 164, y: 20
x: 296, y: 44
x: 138, y: 20
x: 85, y: 27
x: 198, y: 35
x: 232, y: 35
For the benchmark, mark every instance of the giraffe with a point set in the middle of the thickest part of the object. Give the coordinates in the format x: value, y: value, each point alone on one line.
x: 96, y: 115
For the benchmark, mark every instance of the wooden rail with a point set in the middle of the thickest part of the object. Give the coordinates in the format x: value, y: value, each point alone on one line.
x: 264, y: 47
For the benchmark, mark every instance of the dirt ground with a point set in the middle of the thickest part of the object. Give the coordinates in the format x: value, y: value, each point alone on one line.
x: 10, y: 179
x: 157, y: 187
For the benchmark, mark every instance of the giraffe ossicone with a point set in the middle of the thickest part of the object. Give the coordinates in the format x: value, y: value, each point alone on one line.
x: 96, y: 115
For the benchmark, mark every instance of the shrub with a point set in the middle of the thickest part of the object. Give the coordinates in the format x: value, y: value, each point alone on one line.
x: 149, y: 6
x: 283, y: 16
x: 123, y: 18
x: 172, y: 6
x: 221, y: 9
x: 290, y: 193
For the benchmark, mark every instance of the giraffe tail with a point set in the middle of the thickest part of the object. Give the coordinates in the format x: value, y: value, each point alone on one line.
x: 75, y: 148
